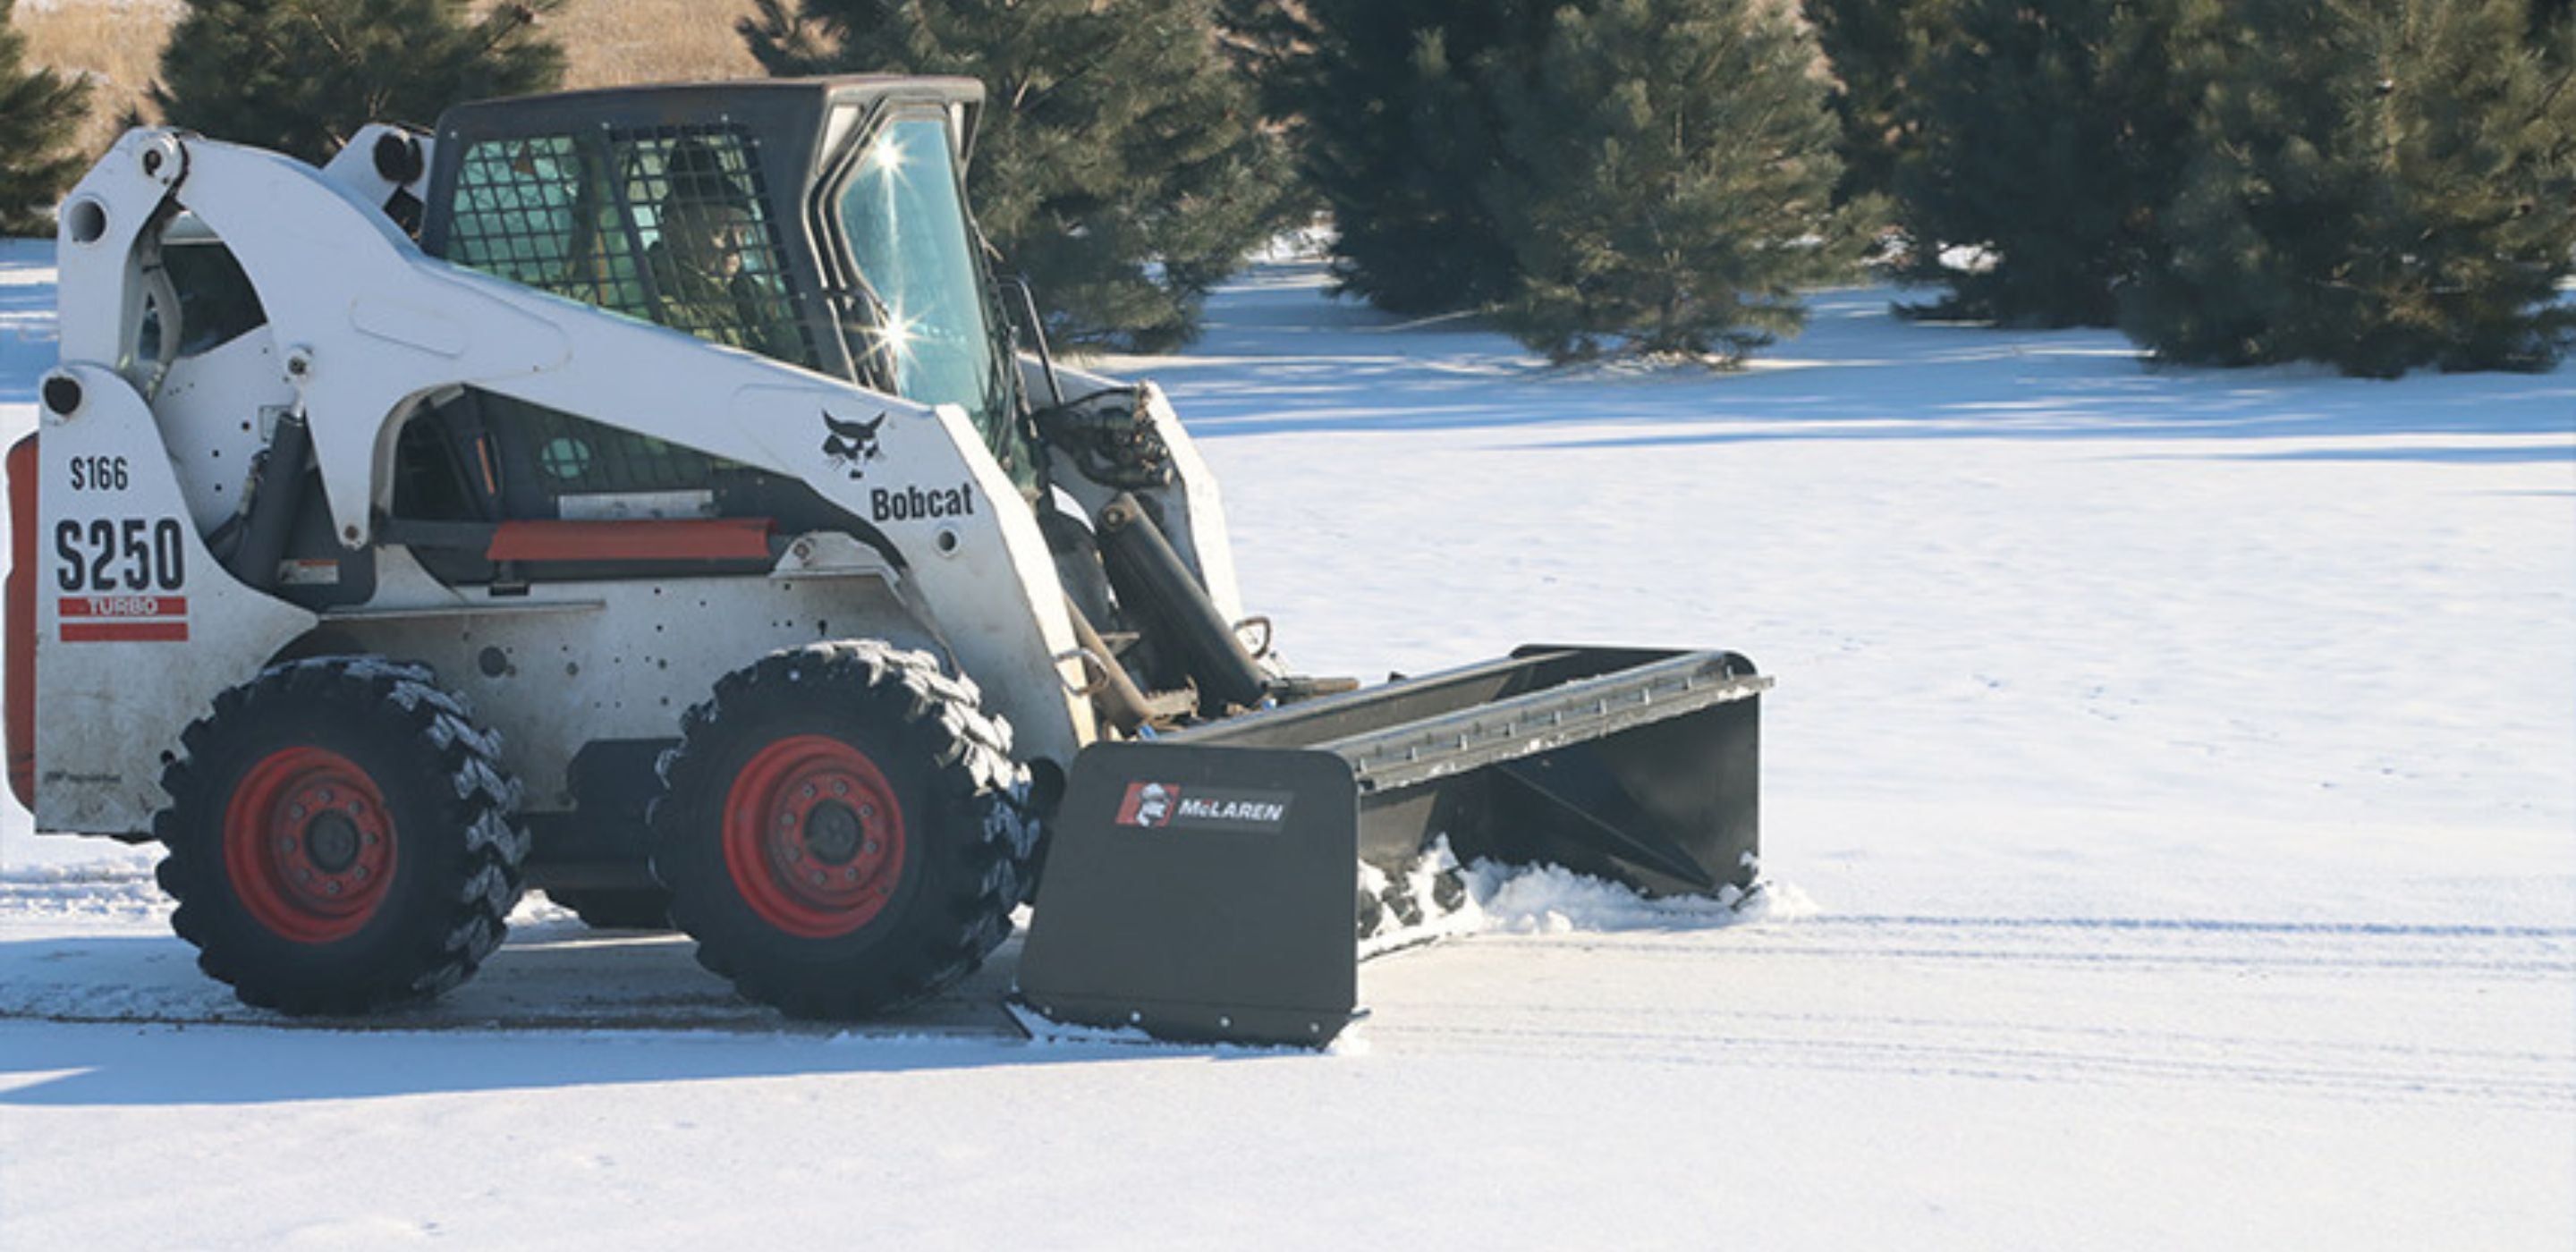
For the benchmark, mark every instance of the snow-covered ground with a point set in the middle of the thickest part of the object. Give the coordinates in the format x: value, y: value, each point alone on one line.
x: 2170, y: 789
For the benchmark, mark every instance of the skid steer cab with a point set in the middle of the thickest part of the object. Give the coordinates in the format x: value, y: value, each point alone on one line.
x: 649, y: 496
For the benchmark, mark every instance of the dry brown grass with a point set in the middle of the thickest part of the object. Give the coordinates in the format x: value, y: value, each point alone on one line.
x: 615, y: 42
x: 116, y: 45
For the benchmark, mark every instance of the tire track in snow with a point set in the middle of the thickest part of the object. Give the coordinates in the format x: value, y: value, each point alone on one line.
x: 2156, y: 1002
x: 2467, y: 1014
x: 1833, y: 1048
x: 2207, y: 926
x: 2358, y: 948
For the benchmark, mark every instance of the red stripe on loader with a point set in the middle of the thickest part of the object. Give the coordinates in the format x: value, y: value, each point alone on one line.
x: 125, y: 632
x: 20, y: 677
x: 709, y: 539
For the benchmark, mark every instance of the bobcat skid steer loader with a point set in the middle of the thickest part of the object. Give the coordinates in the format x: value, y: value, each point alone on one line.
x: 642, y: 495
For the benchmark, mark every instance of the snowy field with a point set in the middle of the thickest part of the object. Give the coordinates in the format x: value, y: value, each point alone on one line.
x: 2170, y: 801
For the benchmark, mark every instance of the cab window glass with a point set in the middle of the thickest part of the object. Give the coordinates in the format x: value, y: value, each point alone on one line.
x: 905, y: 217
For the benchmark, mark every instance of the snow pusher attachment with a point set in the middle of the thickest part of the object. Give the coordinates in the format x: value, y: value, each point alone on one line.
x: 1200, y: 886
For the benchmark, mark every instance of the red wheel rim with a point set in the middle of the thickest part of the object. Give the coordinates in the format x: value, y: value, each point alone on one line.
x: 812, y: 836
x: 309, y: 844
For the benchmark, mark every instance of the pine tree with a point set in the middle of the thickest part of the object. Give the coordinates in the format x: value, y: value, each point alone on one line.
x: 1399, y: 127
x: 2550, y: 19
x: 1264, y: 39
x: 1120, y: 165
x: 2044, y: 136
x: 2380, y: 184
x: 1667, y: 186
x: 1877, y: 49
x: 301, y: 76
x: 39, y: 113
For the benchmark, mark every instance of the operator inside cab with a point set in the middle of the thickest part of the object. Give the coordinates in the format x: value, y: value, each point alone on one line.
x: 704, y: 277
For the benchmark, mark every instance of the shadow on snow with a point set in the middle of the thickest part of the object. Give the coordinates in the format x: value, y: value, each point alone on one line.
x: 1278, y: 357
x: 91, y: 1020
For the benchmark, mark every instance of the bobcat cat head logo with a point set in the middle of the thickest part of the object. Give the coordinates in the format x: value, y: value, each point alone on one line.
x: 851, y: 444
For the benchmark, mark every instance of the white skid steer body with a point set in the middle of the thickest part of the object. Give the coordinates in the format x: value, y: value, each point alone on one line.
x: 647, y: 496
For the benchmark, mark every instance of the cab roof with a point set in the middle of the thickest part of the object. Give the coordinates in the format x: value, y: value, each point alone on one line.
x: 753, y: 101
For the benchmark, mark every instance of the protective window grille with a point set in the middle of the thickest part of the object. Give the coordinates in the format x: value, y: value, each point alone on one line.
x: 530, y: 211
x: 700, y: 208
x: 669, y: 224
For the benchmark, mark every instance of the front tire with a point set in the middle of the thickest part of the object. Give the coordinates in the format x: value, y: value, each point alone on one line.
x: 341, y: 838
x: 842, y: 830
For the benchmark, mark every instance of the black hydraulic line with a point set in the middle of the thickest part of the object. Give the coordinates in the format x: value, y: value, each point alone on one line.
x: 1149, y: 575
x: 273, y: 504
x: 1018, y: 286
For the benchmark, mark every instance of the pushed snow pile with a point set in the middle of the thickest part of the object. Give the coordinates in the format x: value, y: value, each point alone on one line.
x: 116, y: 884
x: 1550, y: 899
x: 1489, y: 897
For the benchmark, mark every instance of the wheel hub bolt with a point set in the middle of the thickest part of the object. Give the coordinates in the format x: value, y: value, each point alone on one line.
x: 832, y: 833
x: 332, y: 842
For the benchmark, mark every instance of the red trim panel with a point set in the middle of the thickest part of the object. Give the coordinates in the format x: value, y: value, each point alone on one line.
x: 20, y: 677
x: 686, y: 539
x: 125, y: 632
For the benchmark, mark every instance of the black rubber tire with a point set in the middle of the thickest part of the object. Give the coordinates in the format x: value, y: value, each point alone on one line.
x: 614, y: 908
x: 964, y: 839
x: 451, y: 875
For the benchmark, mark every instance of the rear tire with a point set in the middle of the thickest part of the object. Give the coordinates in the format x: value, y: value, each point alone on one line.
x: 842, y: 829
x: 341, y: 838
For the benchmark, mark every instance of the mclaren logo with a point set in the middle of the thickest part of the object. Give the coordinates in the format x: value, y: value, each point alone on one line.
x: 851, y: 445
x: 1153, y: 804
x: 1148, y: 804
